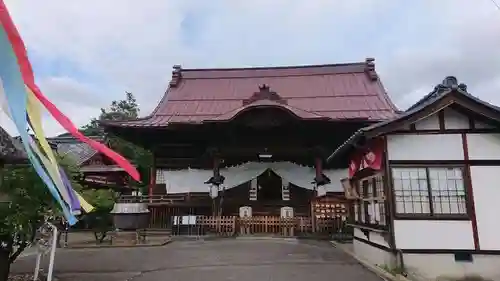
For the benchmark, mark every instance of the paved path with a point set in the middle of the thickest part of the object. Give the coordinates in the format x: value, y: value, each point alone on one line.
x: 219, y: 260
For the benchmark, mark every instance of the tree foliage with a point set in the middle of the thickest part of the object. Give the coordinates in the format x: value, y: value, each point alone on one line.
x: 121, y: 110
x: 24, y: 205
x: 99, y: 220
x: 25, y: 201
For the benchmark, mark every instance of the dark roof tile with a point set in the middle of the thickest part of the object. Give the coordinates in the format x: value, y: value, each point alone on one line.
x: 68, y: 146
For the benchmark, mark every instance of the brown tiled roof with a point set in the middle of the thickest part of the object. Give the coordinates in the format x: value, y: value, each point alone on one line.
x: 332, y: 92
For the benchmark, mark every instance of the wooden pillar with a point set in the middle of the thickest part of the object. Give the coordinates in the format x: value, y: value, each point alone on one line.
x: 216, y: 202
x: 152, y: 181
x: 318, y: 165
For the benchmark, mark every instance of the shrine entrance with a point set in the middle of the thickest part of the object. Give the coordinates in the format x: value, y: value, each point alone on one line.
x: 269, y: 187
x: 256, y: 198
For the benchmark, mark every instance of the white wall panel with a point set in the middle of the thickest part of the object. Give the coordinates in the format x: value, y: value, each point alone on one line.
x: 455, y: 120
x: 485, y: 185
x: 425, y: 147
x: 483, y: 146
x: 435, y: 234
x: 429, y: 123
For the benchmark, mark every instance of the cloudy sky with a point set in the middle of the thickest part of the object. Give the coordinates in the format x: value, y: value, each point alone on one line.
x: 88, y: 53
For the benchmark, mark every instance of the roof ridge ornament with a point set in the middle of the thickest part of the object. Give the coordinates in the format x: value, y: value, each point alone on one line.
x: 264, y: 88
x: 370, y: 69
x: 176, y: 75
x: 264, y: 93
x: 450, y: 83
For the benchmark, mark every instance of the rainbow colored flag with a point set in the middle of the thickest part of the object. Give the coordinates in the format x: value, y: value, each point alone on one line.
x: 22, y: 101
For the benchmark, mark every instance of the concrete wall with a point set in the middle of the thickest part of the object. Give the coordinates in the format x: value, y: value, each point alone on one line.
x: 370, y: 253
x: 434, y: 266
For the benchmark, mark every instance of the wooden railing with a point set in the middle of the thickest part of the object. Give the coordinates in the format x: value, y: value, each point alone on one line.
x: 165, y: 198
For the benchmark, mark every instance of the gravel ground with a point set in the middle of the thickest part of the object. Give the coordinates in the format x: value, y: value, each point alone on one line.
x: 227, y: 259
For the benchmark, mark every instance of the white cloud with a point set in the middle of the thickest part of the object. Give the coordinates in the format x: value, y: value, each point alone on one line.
x: 133, y: 47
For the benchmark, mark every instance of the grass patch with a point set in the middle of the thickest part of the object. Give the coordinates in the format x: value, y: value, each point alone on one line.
x: 393, y: 270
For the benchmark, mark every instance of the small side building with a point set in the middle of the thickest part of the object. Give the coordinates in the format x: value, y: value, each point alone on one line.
x: 97, y: 170
x: 424, y: 189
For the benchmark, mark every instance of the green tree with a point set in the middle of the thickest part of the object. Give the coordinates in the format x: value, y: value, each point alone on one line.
x: 99, y: 220
x: 103, y: 200
x: 25, y: 202
x: 120, y: 110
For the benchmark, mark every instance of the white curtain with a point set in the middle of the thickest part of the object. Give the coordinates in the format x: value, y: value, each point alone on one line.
x: 298, y: 175
x: 243, y: 173
x: 188, y: 180
x: 335, y: 175
x: 192, y: 180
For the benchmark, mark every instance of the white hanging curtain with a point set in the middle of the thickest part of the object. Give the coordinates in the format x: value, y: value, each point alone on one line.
x: 192, y: 180
x: 188, y: 180
x: 335, y: 175
x: 243, y: 173
x: 298, y: 175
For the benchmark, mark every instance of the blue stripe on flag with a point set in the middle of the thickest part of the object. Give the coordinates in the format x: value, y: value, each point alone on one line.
x: 16, y: 96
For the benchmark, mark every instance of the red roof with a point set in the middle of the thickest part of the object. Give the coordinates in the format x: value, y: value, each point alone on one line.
x: 330, y: 92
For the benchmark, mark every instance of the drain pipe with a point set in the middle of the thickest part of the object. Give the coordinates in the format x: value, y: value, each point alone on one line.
x: 401, y: 262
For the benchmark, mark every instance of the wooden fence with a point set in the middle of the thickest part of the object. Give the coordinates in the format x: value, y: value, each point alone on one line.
x: 256, y: 225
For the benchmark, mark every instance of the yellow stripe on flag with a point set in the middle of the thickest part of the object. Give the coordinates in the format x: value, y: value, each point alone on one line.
x: 34, y: 112
x: 84, y: 204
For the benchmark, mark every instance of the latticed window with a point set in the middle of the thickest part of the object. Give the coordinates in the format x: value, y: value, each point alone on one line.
x: 433, y: 191
x: 356, y: 211
x: 370, y: 208
x: 160, y: 177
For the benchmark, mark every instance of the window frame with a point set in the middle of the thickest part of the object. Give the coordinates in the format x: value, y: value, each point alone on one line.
x: 362, y: 205
x: 431, y: 215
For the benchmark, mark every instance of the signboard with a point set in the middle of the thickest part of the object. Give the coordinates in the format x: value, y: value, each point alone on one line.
x: 349, y: 189
x: 368, y: 157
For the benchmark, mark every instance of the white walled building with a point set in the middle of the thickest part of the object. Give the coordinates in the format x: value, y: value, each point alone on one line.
x: 425, y: 187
